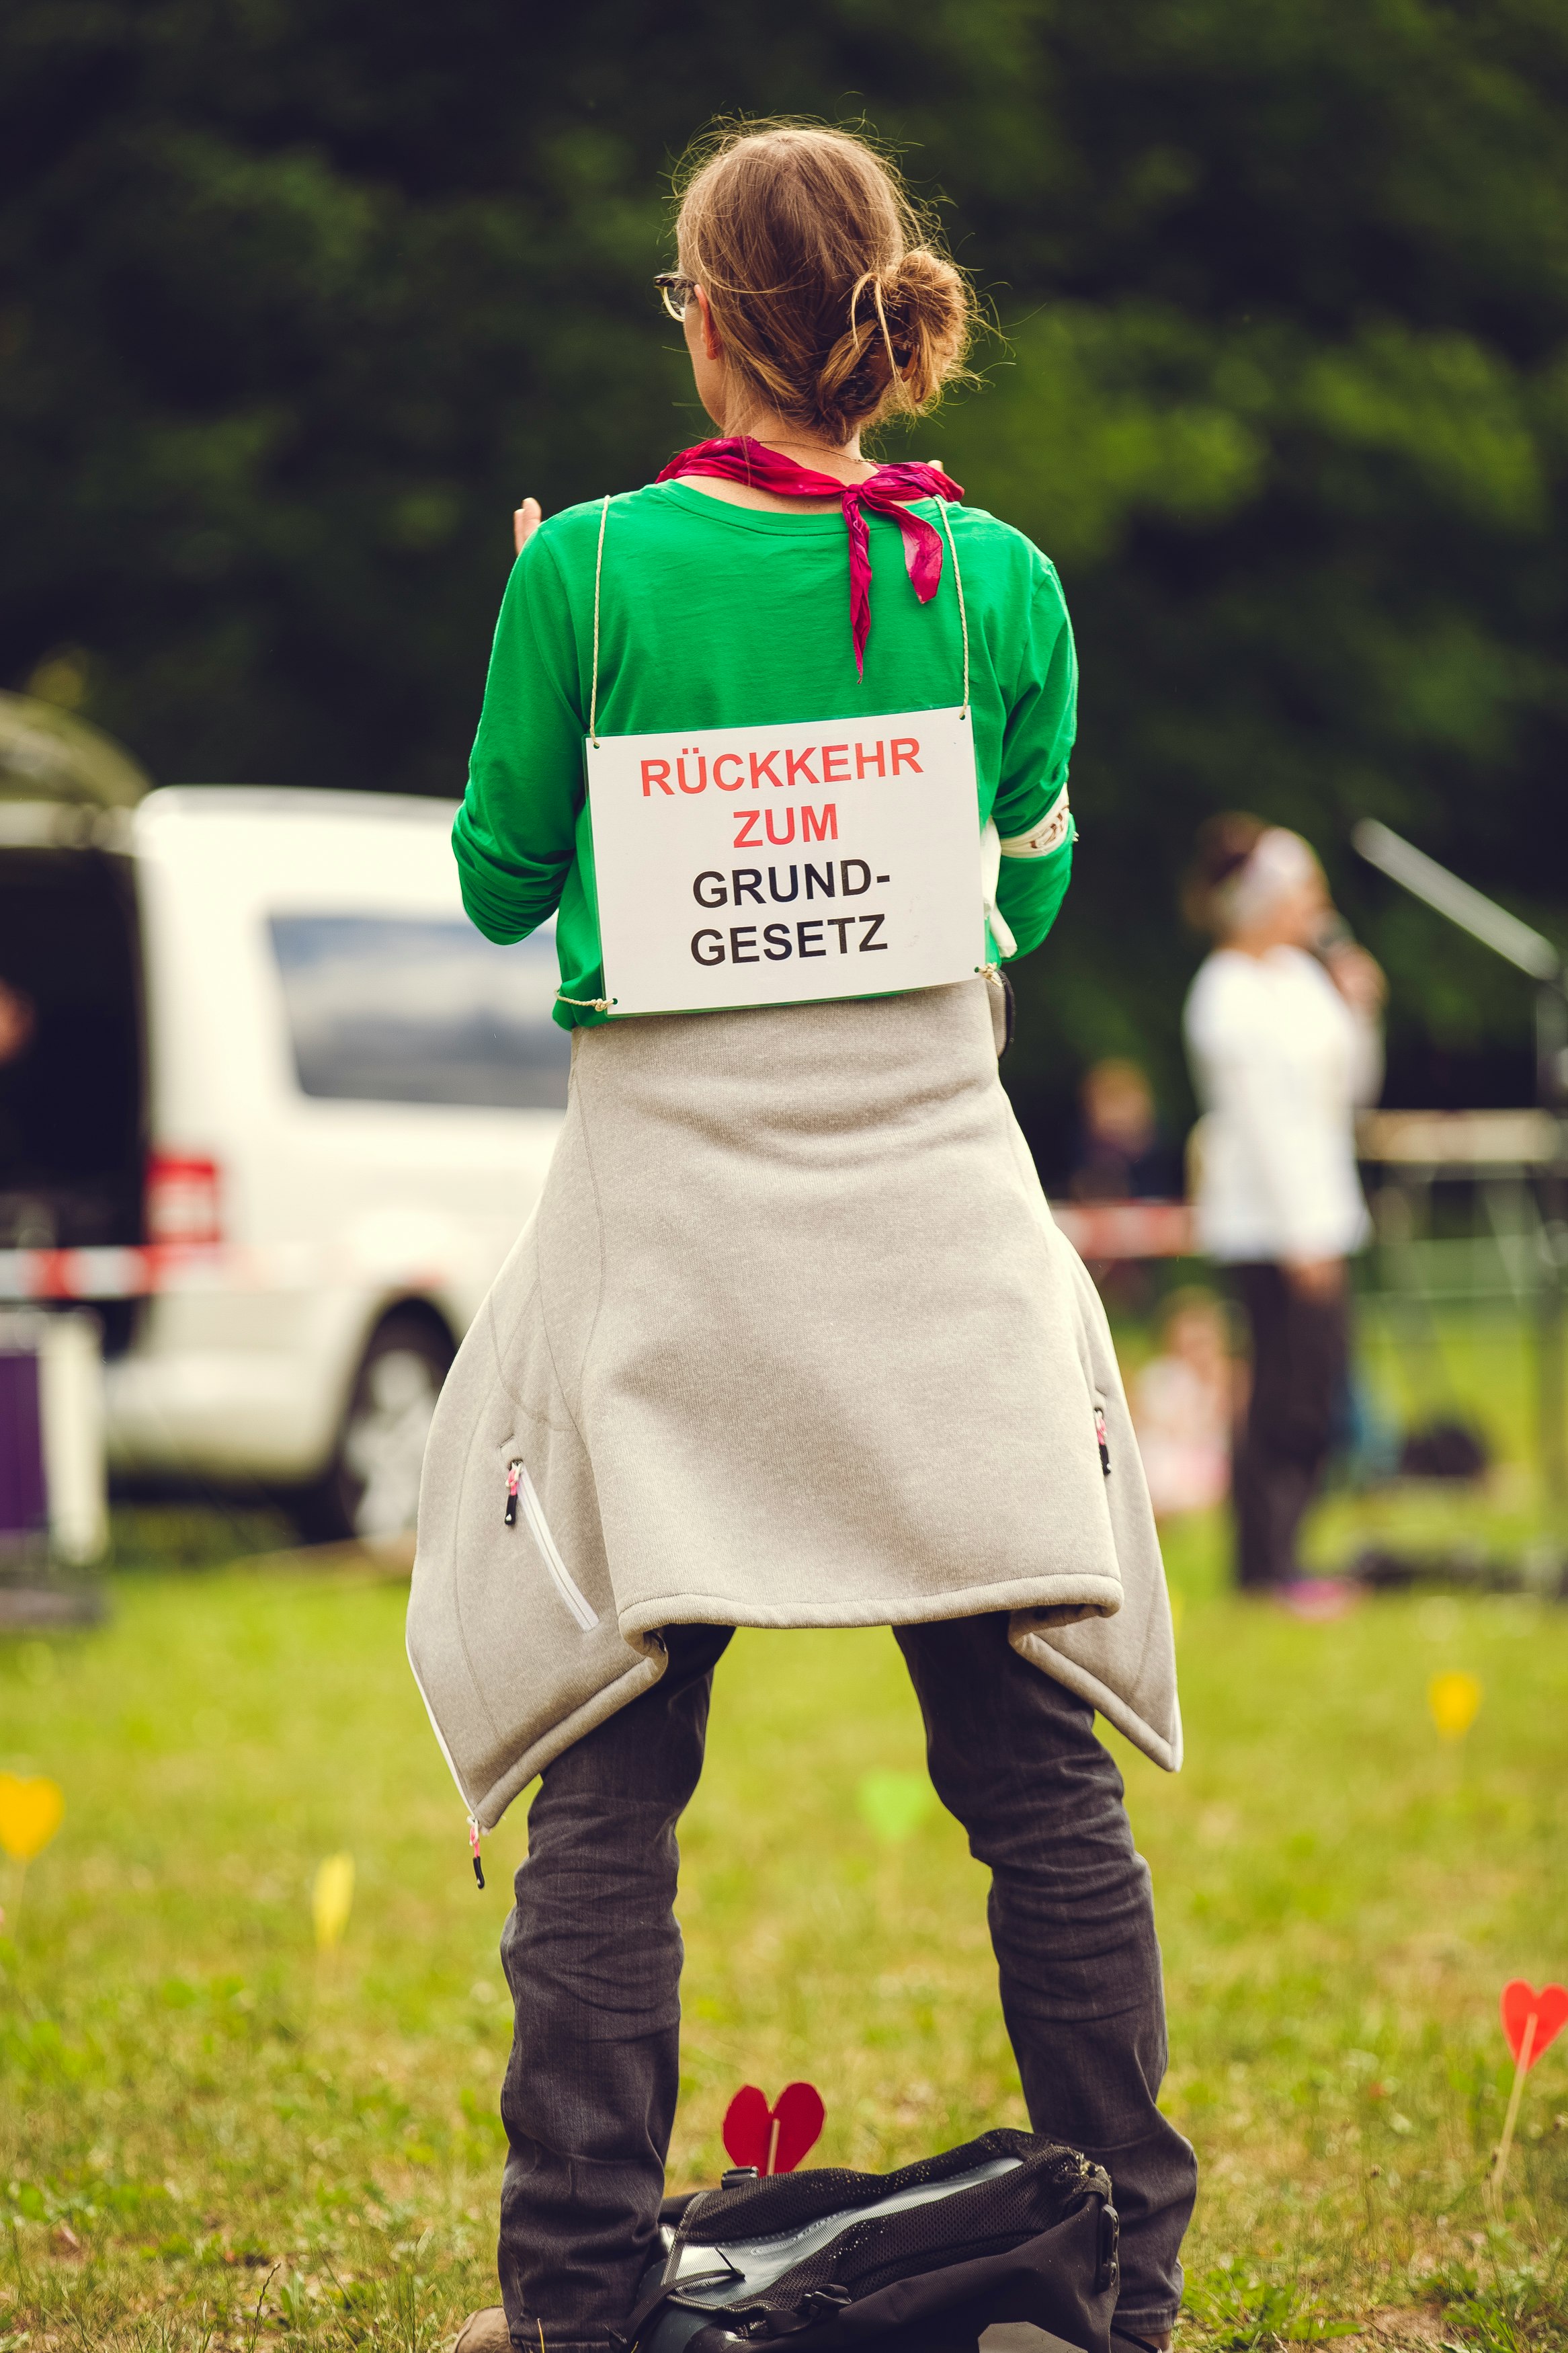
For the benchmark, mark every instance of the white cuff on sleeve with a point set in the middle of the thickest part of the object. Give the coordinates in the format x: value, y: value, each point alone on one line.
x: 990, y: 871
x: 1043, y: 839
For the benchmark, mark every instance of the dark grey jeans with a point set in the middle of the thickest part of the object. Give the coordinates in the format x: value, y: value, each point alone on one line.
x: 593, y: 1954
x: 1301, y: 1363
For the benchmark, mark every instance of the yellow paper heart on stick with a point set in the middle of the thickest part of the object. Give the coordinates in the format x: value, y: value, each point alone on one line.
x: 331, y: 1900
x: 1454, y: 1698
x: 31, y: 1812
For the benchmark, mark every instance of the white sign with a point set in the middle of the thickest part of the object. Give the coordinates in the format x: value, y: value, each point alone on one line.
x: 768, y: 865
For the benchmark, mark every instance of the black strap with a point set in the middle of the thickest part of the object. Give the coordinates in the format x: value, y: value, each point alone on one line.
x: 822, y: 2304
x: 667, y: 2292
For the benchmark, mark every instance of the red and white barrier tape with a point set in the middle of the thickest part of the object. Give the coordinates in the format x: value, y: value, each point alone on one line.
x: 116, y: 1272
x: 1097, y: 1229
x: 1113, y: 1229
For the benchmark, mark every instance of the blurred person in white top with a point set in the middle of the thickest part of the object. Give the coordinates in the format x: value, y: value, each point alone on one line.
x: 1284, y: 1038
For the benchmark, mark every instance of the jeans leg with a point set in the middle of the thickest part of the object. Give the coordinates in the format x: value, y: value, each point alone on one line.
x: 1013, y: 1755
x: 593, y: 1954
x: 1271, y: 1499
x: 1264, y: 1518
x: 1299, y: 1358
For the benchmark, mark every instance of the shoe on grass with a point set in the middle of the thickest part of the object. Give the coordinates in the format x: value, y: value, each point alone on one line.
x: 484, y: 2332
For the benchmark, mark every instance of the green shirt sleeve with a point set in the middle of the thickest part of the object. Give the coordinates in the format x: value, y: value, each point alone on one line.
x: 515, y: 835
x: 1041, y: 723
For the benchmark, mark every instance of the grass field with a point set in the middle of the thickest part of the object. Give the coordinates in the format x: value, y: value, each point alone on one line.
x: 213, y: 2135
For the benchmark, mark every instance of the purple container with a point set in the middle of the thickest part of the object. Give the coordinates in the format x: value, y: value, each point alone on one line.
x: 24, y: 1501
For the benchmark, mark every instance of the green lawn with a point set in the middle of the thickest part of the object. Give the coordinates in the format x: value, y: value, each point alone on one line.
x: 211, y: 2133
x: 1478, y: 1364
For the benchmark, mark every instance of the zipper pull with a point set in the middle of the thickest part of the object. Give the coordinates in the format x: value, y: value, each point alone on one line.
x: 1103, y: 1439
x: 474, y: 1851
x: 513, y: 1473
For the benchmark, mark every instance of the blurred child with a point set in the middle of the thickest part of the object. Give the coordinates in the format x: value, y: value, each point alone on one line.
x: 1184, y: 1404
x: 1121, y: 1152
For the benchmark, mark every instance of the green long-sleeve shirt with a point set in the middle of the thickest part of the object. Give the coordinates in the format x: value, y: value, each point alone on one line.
x: 714, y: 615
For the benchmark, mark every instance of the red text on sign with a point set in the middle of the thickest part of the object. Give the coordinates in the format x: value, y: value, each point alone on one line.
x: 815, y: 825
x: 691, y: 773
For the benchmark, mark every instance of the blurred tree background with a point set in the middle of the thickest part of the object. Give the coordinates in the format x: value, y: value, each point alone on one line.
x: 297, y: 297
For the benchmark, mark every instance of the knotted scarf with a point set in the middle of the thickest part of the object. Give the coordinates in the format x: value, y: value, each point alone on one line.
x: 885, y: 492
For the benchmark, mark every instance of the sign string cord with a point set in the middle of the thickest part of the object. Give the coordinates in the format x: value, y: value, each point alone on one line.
x: 598, y: 575
x: 962, y: 609
x: 988, y: 971
x: 593, y: 1004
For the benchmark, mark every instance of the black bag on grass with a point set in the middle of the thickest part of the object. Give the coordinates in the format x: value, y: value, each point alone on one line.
x: 1001, y: 2245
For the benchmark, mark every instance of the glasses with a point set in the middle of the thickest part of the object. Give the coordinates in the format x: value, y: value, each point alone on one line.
x: 675, y: 291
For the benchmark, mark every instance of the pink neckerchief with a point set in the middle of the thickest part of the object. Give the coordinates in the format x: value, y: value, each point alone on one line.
x: 741, y: 460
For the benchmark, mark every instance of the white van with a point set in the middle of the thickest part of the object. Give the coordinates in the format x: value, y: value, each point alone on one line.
x: 271, y: 1103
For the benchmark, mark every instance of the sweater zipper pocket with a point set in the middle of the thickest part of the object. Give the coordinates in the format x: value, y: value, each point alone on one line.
x: 520, y: 1488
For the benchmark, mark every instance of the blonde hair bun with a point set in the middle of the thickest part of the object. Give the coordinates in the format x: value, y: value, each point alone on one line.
x: 825, y: 288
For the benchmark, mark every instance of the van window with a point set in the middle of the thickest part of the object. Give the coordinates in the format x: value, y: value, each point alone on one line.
x: 412, y: 1009
x: 71, y: 1093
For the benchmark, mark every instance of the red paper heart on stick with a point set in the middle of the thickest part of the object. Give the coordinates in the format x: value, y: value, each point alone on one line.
x: 772, y: 2139
x: 1549, y: 2008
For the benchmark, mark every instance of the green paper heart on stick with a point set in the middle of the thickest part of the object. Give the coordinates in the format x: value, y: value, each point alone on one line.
x: 894, y: 1805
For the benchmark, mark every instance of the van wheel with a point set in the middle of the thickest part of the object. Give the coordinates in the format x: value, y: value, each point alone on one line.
x: 370, y: 1488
